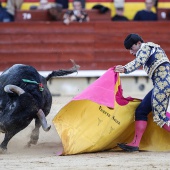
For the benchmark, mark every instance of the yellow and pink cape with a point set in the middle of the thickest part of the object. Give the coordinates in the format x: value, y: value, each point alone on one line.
x: 100, y: 117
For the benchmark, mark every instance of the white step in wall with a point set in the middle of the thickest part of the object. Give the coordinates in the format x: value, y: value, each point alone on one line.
x: 136, y: 84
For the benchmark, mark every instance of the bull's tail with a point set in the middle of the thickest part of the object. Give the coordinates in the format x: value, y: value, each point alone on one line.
x: 63, y: 72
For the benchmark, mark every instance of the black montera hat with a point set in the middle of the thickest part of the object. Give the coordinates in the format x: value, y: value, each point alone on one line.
x: 132, y: 39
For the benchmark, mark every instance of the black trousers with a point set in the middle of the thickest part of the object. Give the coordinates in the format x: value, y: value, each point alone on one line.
x: 144, y: 108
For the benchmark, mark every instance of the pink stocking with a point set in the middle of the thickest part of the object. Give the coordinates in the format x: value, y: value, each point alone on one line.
x: 140, y: 127
x: 166, y: 127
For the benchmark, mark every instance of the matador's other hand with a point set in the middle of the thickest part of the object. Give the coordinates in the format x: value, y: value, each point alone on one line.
x: 119, y: 69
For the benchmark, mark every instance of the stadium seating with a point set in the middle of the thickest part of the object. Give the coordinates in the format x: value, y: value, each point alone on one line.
x: 94, y: 45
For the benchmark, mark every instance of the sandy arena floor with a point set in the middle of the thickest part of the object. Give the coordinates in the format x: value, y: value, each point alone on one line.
x: 43, y: 156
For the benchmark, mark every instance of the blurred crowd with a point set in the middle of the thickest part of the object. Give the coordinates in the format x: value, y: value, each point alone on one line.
x: 78, y: 12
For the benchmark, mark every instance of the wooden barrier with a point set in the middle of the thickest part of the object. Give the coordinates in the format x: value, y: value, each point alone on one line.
x: 44, y: 15
x: 32, y: 15
x: 93, y: 45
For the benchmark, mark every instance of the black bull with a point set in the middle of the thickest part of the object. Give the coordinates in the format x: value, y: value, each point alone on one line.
x: 24, y: 96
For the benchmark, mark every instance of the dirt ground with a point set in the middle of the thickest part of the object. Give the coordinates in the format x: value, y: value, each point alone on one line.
x: 44, y: 155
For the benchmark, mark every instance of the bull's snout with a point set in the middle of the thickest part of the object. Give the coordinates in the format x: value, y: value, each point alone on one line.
x: 13, y: 88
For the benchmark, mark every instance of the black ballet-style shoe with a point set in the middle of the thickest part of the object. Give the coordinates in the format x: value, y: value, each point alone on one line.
x: 128, y: 148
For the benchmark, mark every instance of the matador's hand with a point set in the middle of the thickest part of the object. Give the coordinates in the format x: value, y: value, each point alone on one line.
x: 119, y: 69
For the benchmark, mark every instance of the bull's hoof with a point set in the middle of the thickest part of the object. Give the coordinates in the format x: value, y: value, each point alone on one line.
x: 47, y: 128
x: 3, y: 151
x: 28, y: 145
x: 32, y: 142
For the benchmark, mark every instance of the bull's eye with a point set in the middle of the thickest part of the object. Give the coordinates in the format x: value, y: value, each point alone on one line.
x: 12, y: 106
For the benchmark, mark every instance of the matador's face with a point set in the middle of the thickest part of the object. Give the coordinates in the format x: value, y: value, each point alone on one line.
x: 135, y: 48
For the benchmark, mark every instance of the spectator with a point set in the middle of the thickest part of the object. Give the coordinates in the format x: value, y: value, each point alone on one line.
x: 55, y: 9
x: 83, y: 3
x: 64, y: 3
x: 76, y: 15
x: 9, y: 11
x: 44, y: 4
x: 119, y: 15
x: 119, y: 8
x: 146, y: 14
x: 3, y: 13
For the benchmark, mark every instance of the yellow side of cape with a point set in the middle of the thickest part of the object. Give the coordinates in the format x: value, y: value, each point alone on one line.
x: 85, y: 126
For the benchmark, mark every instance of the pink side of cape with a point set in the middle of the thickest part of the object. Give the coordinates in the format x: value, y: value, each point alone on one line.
x: 102, y: 90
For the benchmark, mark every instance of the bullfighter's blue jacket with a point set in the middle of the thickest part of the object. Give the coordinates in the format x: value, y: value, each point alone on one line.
x: 150, y: 56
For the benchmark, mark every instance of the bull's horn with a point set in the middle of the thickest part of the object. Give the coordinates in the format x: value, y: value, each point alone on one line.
x: 13, y: 88
x: 43, y: 120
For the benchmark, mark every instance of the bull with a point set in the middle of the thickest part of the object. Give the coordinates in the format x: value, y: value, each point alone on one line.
x: 24, y: 96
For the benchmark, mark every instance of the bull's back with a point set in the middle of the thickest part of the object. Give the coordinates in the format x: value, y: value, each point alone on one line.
x: 18, y: 72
